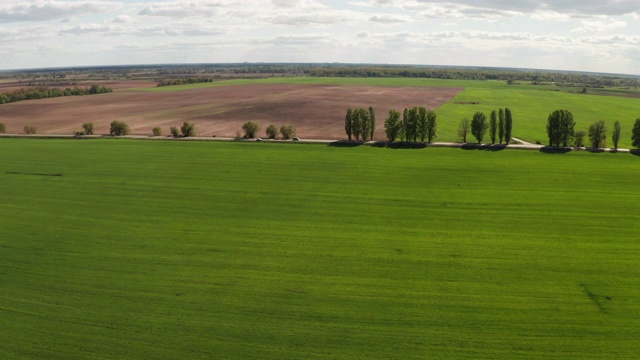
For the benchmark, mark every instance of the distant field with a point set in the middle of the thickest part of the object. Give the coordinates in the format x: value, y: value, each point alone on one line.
x: 316, y: 106
x: 165, y: 250
x: 530, y: 104
x: 316, y: 110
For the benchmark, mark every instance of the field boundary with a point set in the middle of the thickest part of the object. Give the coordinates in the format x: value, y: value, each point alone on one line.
x: 336, y: 143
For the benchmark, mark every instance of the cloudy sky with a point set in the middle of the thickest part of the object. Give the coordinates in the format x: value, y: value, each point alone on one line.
x: 589, y: 35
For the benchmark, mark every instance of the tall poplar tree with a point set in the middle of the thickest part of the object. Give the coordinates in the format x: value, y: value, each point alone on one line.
x: 508, y: 125
x: 501, y: 125
x: 493, y: 126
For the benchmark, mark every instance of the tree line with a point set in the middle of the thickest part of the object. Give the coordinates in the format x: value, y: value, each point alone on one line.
x: 416, y: 123
x: 564, y: 78
x: 499, y: 125
x: 561, y: 132
x: 360, y: 124
x: 184, y: 81
x: 43, y: 93
x: 251, y: 129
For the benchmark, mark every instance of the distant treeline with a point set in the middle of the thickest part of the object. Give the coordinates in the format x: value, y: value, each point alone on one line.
x: 43, y: 93
x: 184, y: 81
x: 510, y: 76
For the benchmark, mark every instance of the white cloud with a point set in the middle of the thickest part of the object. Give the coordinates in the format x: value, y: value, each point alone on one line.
x: 600, y: 25
x: 123, y: 19
x: 390, y: 19
x: 51, y: 10
x: 524, y: 33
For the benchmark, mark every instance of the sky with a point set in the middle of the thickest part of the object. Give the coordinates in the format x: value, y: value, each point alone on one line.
x: 581, y: 35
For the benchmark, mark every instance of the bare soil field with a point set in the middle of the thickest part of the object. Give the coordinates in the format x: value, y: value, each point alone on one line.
x: 316, y: 111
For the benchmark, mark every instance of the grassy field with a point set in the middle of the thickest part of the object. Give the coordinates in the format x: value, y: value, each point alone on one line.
x: 167, y: 250
x: 531, y: 105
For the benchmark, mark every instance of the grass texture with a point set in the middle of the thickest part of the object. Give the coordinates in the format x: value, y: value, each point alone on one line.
x: 530, y: 105
x: 119, y: 249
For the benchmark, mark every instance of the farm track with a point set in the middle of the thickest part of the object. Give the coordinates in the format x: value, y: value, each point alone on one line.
x: 468, y: 146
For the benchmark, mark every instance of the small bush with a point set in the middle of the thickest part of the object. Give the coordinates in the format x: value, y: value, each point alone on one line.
x: 29, y: 129
x: 250, y: 129
x: 188, y: 129
x: 119, y: 128
x: 272, y: 131
x: 287, y: 132
x: 157, y: 131
x: 578, y: 138
x: 3, y: 128
x: 88, y: 128
x: 174, y: 132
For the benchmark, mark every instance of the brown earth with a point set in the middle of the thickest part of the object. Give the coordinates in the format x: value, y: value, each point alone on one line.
x: 316, y: 111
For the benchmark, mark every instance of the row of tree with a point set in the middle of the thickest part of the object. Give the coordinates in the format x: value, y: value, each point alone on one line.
x: 417, y: 123
x: 500, y: 126
x: 471, y: 73
x: 360, y: 124
x: 561, y: 132
x: 184, y: 81
x: 251, y: 129
x: 43, y: 93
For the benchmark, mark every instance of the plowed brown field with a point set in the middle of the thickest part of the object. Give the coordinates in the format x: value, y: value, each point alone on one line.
x: 316, y: 111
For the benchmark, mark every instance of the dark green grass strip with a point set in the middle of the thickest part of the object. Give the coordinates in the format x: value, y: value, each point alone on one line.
x: 163, y: 250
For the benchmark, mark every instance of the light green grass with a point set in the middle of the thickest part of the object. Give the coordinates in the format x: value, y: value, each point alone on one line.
x: 531, y: 105
x: 174, y: 250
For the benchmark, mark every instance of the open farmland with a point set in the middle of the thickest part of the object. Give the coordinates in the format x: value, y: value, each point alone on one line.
x: 316, y: 106
x: 317, y: 111
x: 117, y: 249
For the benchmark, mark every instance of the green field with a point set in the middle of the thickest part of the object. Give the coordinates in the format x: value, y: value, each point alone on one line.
x: 182, y: 250
x: 530, y: 104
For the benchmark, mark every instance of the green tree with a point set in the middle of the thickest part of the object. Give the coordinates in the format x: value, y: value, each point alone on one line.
x: 493, y: 126
x: 463, y: 129
x: 501, y: 125
x: 157, y: 131
x: 88, y: 128
x: 616, y: 134
x: 635, y: 134
x: 422, y: 125
x: 432, y: 126
x: 560, y: 127
x: 479, y: 126
x: 188, y: 129
x: 363, y: 120
x: 287, y: 132
x: 372, y: 122
x: 392, y: 125
x: 411, y: 126
x: 406, y: 125
x: 250, y: 129
x: 508, y: 125
x: 598, y: 134
x: 3, y: 128
x: 578, y: 138
x: 174, y: 132
x: 348, y: 123
x: 356, y: 127
x: 272, y: 131
x: 119, y: 128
